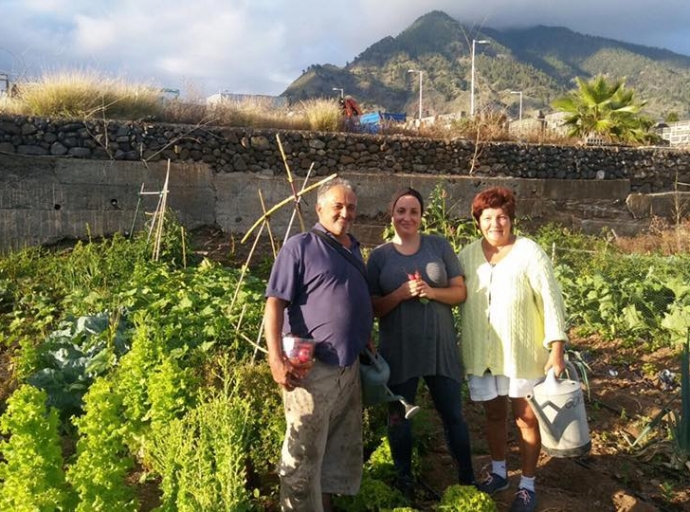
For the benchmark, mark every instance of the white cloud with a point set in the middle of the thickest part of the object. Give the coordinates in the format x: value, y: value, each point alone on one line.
x: 261, y: 46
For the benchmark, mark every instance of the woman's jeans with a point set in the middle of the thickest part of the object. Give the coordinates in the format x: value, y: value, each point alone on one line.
x: 447, y: 396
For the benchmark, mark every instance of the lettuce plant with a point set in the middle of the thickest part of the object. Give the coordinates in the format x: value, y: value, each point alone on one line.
x: 31, y: 476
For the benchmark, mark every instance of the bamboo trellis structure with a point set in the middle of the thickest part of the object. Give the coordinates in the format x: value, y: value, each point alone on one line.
x: 264, y: 222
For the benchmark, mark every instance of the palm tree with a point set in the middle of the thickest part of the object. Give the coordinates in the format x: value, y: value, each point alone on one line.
x: 608, y: 110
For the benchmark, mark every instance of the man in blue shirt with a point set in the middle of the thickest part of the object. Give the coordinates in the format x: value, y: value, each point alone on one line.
x: 318, y: 290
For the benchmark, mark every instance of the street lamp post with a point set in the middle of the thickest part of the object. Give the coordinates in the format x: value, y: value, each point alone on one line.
x: 520, y: 93
x: 474, y: 43
x: 420, y: 90
x: 342, y: 93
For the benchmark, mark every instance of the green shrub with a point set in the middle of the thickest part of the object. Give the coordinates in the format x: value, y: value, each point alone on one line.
x: 31, y: 476
x: 170, y: 389
x: 374, y: 427
x: 73, y: 355
x: 102, y: 463
x: 7, y: 294
x: 466, y: 498
x: 265, y: 431
x: 680, y: 418
x: 201, y: 457
x: 380, y: 464
x: 157, y: 385
x: 131, y: 376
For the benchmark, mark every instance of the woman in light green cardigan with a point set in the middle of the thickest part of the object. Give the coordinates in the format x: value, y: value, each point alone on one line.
x: 513, y: 331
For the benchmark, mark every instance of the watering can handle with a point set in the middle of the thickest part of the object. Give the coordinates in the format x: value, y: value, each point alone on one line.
x: 374, y: 358
x: 550, y: 379
x: 572, y: 371
x: 552, y: 383
x: 569, y: 368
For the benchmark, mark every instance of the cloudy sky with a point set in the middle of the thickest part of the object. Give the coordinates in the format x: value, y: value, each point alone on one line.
x: 261, y: 46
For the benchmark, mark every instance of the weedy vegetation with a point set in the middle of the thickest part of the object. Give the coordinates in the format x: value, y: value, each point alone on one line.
x: 86, y: 95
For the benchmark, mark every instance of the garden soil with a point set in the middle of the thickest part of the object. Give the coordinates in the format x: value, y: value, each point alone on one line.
x: 625, y: 393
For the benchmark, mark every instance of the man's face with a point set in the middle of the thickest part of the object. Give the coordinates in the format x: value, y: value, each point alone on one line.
x: 337, y: 210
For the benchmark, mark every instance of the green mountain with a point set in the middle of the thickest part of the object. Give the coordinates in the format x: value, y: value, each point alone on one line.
x: 541, y: 62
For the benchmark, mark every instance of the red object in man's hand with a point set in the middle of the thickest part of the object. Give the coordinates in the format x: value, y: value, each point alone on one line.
x: 300, y: 353
x: 304, y: 355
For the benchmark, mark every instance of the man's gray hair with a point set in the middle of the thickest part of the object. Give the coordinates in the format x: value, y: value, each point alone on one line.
x: 335, y: 182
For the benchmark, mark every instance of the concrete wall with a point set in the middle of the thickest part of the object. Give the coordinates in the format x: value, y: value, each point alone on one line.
x: 44, y: 200
x: 68, y: 179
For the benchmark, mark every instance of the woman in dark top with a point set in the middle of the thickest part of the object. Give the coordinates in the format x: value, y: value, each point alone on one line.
x: 415, y: 280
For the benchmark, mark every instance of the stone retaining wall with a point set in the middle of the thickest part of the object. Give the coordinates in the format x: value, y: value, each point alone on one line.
x: 67, y: 178
x: 254, y: 150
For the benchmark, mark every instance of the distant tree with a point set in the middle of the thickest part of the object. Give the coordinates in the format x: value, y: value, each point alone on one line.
x: 672, y: 117
x: 608, y: 110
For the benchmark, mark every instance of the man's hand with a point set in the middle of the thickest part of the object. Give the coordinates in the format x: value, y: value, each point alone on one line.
x: 281, y: 371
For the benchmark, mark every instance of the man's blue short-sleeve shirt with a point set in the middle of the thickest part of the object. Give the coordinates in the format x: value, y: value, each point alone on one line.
x: 328, y: 298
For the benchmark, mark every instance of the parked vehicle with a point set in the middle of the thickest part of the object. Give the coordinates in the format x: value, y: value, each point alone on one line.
x: 373, y: 121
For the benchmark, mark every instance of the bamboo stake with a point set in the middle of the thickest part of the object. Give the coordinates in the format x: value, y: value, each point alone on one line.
x: 268, y: 226
x: 240, y: 319
x: 136, y: 212
x: 292, y: 217
x: 161, y: 215
x: 257, y: 345
x: 291, y: 182
x: 154, y: 217
x: 246, y: 266
x: 184, y: 248
x: 264, y: 221
x: 287, y: 233
x: 247, y: 338
x: 283, y: 203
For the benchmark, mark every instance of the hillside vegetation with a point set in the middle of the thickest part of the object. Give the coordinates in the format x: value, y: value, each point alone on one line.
x: 542, y: 62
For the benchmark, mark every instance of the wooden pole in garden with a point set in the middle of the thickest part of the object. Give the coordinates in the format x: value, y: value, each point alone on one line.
x: 291, y: 182
x: 257, y: 345
x: 283, y: 203
x: 264, y: 220
x: 246, y: 265
x: 160, y: 215
x: 268, y: 226
x: 292, y: 217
